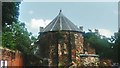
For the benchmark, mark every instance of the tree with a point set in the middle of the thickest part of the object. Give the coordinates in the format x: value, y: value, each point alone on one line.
x: 14, y: 33
x: 100, y: 43
x: 116, y: 47
x: 18, y: 38
x: 10, y: 12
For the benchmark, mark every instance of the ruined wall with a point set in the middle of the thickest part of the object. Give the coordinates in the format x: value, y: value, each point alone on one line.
x: 77, y: 48
x: 61, y: 48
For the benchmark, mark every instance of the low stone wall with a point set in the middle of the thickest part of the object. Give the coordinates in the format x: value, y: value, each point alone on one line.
x: 89, y: 60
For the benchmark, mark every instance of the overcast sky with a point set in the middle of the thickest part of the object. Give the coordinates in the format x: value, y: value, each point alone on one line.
x: 90, y: 15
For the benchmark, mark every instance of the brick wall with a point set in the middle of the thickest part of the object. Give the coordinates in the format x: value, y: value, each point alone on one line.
x: 13, y: 58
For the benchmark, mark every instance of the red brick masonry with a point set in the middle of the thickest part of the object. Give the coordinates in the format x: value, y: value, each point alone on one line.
x: 13, y: 58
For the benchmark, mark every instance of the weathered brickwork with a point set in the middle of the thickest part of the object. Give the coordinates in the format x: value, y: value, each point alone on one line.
x: 63, y: 49
x: 13, y: 58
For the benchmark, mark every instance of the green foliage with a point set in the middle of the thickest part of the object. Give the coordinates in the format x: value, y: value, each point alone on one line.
x: 117, y: 47
x: 17, y: 37
x: 0, y: 39
x: 100, y: 43
x: 10, y: 12
x: 14, y: 34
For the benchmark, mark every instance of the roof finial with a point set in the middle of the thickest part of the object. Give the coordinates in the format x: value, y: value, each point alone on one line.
x: 60, y: 11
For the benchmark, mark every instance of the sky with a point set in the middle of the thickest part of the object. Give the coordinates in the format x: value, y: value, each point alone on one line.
x: 91, y: 15
x: 70, y: 0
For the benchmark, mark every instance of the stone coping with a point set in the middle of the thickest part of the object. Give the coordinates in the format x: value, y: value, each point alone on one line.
x: 89, y: 55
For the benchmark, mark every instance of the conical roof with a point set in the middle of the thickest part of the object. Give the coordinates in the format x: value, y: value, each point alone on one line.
x: 60, y: 22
